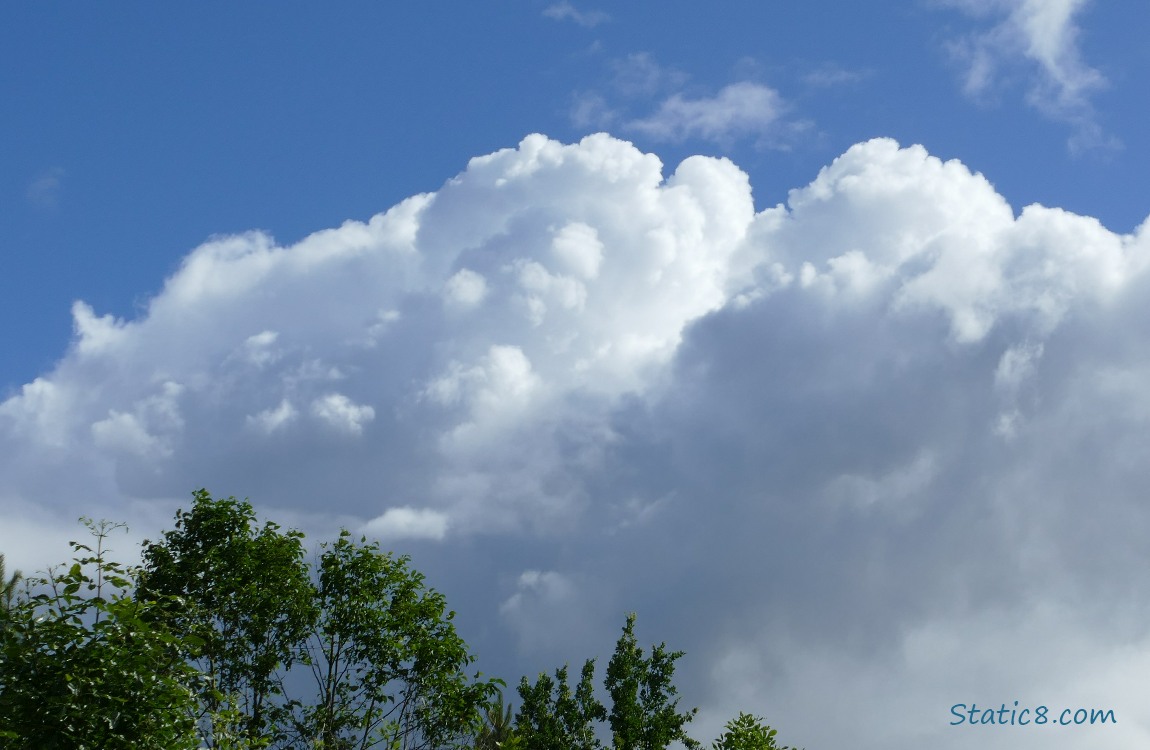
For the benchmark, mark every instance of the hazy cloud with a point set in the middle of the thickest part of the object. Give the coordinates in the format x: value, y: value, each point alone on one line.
x: 565, y: 11
x: 830, y: 74
x: 44, y: 191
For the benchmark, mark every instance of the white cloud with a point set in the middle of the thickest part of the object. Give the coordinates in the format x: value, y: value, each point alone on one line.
x: 270, y: 420
x: 883, y: 444
x: 123, y: 432
x: 132, y: 432
x: 577, y: 247
x: 408, y: 523
x: 342, y: 413
x: 257, y: 348
x: 465, y: 289
x: 1044, y: 33
x: 738, y: 110
x: 645, y: 97
x: 565, y: 11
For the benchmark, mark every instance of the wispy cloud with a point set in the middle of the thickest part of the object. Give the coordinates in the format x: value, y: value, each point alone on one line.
x: 640, y: 75
x: 829, y: 74
x: 642, y: 96
x: 1042, y: 34
x: 44, y: 190
x: 565, y: 11
x: 738, y: 110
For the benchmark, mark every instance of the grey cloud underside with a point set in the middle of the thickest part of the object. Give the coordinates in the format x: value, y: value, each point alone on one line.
x: 884, y: 444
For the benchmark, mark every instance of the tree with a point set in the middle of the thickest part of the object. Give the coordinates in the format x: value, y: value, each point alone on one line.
x: 389, y: 666
x: 552, y: 718
x: 644, y: 711
x: 245, y: 594
x: 747, y: 732
x: 83, y: 665
x: 498, y: 731
x: 8, y: 587
x: 194, y: 648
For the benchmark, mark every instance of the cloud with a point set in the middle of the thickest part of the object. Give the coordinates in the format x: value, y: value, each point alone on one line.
x: 1044, y: 33
x: 830, y: 74
x: 639, y: 84
x: 639, y: 75
x: 465, y: 289
x: 450, y: 329
x: 270, y: 420
x: 341, y: 413
x: 44, y: 191
x: 634, y: 79
x: 565, y: 11
x: 408, y: 523
x: 880, y: 448
x: 739, y: 110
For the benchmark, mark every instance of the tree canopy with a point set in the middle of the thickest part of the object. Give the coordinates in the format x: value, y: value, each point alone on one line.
x: 227, y: 637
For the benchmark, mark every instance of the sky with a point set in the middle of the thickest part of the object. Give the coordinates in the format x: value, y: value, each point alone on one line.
x: 816, y: 334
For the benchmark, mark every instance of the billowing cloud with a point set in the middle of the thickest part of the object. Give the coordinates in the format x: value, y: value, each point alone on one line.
x: 864, y: 456
x: 1044, y: 33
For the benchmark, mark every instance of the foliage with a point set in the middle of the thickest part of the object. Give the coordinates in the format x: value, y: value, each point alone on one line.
x: 747, y: 732
x: 245, y: 594
x: 193, y: 649
x: 7, y: 590
x: 84, y: 666
x: 498, y: 732
x: 552, y: 717
x: 644, y: 710
x: 388, y: 664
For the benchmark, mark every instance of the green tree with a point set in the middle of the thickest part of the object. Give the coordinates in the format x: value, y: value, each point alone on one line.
x: 747, y: 732
x: 8, y: 586
x: 83, y: 665
x: 551, y: 717
x: 644, y: 711
x: 389, y: 666
x: 245, y: 594
x: 498, y: 730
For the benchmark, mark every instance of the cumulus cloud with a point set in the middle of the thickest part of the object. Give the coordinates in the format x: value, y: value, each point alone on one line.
x: 1044, y: 33
x: 882, y: 445
x: 465, y: 289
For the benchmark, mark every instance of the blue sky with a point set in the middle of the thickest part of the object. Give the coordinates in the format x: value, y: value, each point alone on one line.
x: 134, y: 134
x: 887, y: 434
